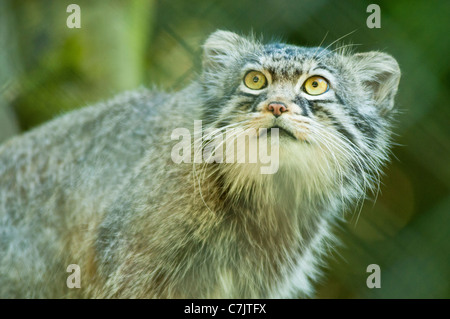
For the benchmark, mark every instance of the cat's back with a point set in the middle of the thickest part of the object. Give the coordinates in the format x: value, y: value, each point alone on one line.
x: 90, y: 150
x: 56, y: 181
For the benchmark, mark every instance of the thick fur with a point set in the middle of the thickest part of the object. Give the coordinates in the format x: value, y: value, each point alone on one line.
x: 97, y: 187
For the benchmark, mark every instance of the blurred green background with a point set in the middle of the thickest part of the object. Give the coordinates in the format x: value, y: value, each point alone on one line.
x: 47, y: 69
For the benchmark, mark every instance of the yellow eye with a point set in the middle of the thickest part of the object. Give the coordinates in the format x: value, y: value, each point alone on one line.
x: 316, y: 85
x: 255, y: 80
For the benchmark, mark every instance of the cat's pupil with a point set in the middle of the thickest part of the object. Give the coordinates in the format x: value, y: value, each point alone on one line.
x: 315, y: 84
x: 256, y: 79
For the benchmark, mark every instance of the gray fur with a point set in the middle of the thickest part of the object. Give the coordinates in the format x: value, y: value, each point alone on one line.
x: 97, y: 187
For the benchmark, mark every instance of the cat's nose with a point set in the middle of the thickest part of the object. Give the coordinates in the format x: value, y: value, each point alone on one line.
x: 277, y: 108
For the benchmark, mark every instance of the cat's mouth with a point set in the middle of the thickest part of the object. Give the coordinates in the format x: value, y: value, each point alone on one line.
x: 283, y: 131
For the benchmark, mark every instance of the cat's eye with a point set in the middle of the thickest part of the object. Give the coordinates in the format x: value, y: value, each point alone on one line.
x: 316, y: 85
x: 255, y: 80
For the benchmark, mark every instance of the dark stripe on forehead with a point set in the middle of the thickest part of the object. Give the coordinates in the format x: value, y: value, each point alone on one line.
x: 289, y: 73
x: 284, y: 72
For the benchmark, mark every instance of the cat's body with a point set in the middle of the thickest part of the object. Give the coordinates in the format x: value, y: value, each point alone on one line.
x: 98, y: 187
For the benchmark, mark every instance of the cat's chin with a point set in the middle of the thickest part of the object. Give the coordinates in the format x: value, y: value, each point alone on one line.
x: 283, y: 133
x: 289, y: 130
x: 289, y: 136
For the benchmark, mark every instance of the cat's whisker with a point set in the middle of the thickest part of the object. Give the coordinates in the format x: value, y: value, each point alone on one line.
x: 223, y: 142
x: 365, y: 178
x: 209, y: 139
x: 320, y: 44
x: 351, y: 156
x: 321, y: 138
x: 325, y: 49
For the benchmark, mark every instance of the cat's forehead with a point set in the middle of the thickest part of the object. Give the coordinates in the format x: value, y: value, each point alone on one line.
x: 285, y: 58
x: 288, y: 51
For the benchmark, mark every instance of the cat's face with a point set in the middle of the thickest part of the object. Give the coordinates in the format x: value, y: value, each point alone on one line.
x: 327, y: 105
x: 294, y: 89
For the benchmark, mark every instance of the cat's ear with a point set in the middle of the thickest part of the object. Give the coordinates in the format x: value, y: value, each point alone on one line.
x: 223, y: 47
x: 379, y: 72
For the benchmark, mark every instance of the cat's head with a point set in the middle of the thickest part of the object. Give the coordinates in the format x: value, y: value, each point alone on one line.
x: 332, y: 108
